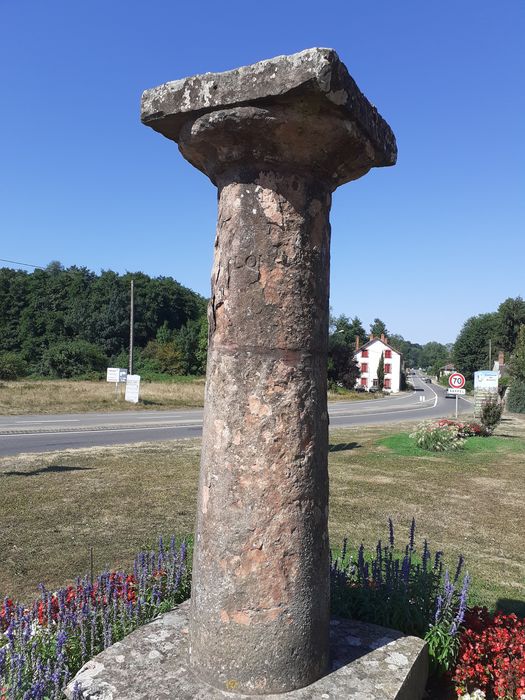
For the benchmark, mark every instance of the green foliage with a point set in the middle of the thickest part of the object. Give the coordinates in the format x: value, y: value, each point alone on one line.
x: 433, y: 355
x: 517, y: 361
x: 411, y: 351
x: 56, y: 305
x: 12, y: 365
x: 378, y: 327
x: 73, y: 358
x: 347, y: 329
x: 516, y: 400
x: 163, y: 357
x: 471, y: 349
x: 342, y: 368
x: 490, y: 415
x: 511, y: 316
x: 381, y: 372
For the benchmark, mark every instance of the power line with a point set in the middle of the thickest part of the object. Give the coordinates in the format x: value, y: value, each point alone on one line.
x: 15, y: 262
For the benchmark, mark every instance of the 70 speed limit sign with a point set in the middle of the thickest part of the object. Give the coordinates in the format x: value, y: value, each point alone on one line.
x: 456, y: 381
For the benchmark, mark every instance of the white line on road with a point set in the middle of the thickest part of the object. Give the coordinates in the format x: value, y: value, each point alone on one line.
x: 27, y: 422
x: 103, y: 430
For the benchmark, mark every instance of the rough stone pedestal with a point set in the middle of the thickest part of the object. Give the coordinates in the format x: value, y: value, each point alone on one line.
x: 367, y: 663
x: 276, y: 138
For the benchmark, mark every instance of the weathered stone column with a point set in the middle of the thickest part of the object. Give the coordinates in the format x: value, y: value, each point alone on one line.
x: 276, y: 138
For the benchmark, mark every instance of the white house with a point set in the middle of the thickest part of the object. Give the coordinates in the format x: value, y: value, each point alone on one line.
x: 368, y: 357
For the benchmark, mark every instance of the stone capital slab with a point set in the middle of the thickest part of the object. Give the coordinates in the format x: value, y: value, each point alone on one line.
x: 301, y: 113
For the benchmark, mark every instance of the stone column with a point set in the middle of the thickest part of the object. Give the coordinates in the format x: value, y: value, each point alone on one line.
x: 276, y: 138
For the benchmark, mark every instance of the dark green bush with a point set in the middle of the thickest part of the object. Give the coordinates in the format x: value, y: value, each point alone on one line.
x: 516, y: 400
x: 12, y: 365
x: 73, y: 358
x: 490, y: 416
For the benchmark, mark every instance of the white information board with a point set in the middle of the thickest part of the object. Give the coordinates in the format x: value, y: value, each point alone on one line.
x: 486, y: 380
x: 132, y: 388
x: 116, y: 374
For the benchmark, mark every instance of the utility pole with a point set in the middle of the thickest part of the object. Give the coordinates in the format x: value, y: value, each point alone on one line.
x: 131, y: 332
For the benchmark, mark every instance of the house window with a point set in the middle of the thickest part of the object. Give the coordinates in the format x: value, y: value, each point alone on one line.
x: 364, y: 353
x: 376, y: 382
x: 363, y: 381
x: 388, y: 369
x: 388, y: 354
x: 364, y: 367
x: 387, y: 384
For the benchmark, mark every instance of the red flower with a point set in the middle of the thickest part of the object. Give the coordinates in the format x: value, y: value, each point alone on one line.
x: 491, y: 655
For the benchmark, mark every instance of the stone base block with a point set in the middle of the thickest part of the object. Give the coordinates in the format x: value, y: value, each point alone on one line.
x: 368, y: 663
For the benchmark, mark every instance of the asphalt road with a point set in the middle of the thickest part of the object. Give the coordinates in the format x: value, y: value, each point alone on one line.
x: 46, y: 433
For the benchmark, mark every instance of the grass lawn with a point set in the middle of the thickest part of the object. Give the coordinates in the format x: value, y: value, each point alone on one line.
x: 62, y: 396
x: 55, y: 506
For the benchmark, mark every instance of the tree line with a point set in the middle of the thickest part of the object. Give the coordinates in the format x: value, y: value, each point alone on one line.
x: 71, y: 322
x: 481, y: 339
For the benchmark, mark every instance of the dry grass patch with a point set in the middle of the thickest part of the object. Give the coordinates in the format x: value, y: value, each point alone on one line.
x: 61, y: 396
x: 53, y: 507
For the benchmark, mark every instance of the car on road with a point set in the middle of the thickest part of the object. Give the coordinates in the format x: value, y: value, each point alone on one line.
x: 427, y: 380
x: 448, y: 395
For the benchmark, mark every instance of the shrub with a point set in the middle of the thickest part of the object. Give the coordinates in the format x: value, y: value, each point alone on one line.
x: 73, y: 358
x: 516, y: 400
x: 403, y: 590
x: 465, y: 430
x: 491, y: 655
x: 45, y: 645
x: 437, y: 437
x: 12, y: 365
x: 491, y: 411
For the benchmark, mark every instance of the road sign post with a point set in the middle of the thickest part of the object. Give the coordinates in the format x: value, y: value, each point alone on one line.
x: 456, y: 382
x: 117, y: 375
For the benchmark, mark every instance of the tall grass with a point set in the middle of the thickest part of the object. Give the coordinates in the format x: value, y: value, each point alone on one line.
x: 62, y: 396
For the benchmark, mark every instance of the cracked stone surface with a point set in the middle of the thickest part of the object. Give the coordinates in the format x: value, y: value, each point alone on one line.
x: 276, y: 138
x: 367, y: 663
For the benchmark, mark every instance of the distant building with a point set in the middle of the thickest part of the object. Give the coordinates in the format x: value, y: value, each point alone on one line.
x: 446, y: 370
x: 368, y: 357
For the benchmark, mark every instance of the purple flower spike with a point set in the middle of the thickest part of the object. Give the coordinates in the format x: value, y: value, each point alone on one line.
x: 412, y: 534
x: 391, y: 532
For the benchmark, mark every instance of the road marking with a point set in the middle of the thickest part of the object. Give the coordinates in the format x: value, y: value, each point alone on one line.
x: 26, y: 422
x: 99, y: 430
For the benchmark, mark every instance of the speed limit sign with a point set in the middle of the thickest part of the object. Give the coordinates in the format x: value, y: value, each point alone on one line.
x: 456, y: 381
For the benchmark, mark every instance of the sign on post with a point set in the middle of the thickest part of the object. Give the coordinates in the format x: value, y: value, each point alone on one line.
x: 456, y: 392
x: 132, y: 388
x: 118, y: 376
x: 456, y: 382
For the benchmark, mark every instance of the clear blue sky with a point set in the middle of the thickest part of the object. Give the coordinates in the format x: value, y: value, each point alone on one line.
x: 423, y: 245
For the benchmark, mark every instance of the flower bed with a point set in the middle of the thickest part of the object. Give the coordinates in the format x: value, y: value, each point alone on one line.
x: 491, y: 658
x: 403, y: 589
x: 445, y: 434
x: 42, y: 647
